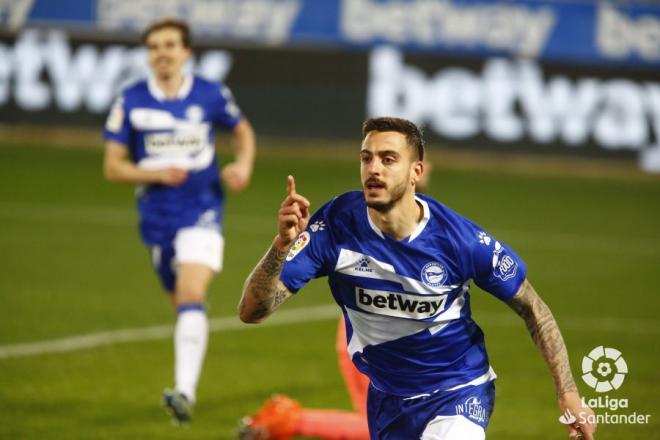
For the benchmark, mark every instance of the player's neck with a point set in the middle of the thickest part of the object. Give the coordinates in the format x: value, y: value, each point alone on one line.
x: 170, y: 85
x: 401, y: 220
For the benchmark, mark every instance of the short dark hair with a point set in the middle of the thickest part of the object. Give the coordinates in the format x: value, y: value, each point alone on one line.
x: 166, y: 23
x: 414, y: 135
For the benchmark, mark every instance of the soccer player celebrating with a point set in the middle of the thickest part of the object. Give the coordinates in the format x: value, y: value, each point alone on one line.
x: 160, y: 136
x: 399, y: 265
x: 281, y: 413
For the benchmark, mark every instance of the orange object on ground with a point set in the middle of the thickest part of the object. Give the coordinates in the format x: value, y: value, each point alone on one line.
x: 281, y: 418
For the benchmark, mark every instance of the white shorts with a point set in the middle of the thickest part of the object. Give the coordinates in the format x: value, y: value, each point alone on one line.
x: 199, y: 245
x: 453, y: 428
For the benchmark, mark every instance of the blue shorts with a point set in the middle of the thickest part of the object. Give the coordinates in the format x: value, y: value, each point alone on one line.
x: 461, y: 414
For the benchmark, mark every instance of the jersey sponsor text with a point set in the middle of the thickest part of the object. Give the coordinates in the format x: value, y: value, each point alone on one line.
x: 400, y: 305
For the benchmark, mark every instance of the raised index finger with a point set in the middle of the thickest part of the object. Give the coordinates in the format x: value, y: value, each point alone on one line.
x: 290, y: 185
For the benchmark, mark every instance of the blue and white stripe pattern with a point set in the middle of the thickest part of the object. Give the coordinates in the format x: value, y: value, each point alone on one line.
x: 407, y: 302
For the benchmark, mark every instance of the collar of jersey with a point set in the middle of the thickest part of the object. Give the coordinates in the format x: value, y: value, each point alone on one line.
x: 420, y: 226
x: 183, y: 92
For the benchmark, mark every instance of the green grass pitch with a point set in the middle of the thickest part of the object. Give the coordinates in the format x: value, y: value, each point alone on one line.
x: 72, y: 264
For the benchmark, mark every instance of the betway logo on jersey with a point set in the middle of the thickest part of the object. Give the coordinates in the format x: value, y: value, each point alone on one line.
x: 160, y: 143
x: 398, y: 304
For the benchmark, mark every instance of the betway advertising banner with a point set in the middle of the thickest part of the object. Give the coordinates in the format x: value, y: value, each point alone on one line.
x: 579, y: 31
x: 495, y: 102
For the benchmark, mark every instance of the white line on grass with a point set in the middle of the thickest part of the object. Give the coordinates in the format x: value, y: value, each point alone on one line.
x: 301, y: 315
x: 229, y: 323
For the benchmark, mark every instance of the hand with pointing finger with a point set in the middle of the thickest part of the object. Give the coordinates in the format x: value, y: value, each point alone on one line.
x: 293, y: 216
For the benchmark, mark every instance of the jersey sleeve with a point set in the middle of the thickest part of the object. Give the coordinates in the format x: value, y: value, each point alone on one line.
x: 492, y: 264
x: 117, y: 126
x: 309, y: 256
x: 227, y: 113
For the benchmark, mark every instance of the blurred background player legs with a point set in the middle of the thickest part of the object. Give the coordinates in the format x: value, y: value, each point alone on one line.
x: 191, y: 334
x: 282, y: 418
x: 186, y: 274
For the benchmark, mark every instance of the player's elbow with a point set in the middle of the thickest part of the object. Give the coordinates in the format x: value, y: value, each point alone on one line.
x: 248, y: 314
x: 110, y: 172
x: 249, y: 317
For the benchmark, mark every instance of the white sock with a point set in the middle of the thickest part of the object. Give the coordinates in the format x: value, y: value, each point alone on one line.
x: 190, y: 338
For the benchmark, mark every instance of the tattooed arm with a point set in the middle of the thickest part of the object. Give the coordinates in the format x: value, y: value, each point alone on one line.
x: 263, y: 292
x: 546, y: 335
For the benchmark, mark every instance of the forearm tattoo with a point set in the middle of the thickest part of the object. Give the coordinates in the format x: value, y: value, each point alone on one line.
x: 262, y: 285
x: 545, y: 333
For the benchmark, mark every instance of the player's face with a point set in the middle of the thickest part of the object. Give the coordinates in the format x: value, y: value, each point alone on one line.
x: 387, y: 169
x: 167, y: 54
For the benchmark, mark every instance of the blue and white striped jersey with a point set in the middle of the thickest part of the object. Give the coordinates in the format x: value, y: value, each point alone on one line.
x: 179, y: 132
x: 406, y: 303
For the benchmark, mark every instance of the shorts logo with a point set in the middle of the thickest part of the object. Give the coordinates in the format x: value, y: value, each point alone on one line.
x: 434, y: 274
x: 504, y: 266
x: 399, y: 304
x: 472, y: 409
x: 300, y: 244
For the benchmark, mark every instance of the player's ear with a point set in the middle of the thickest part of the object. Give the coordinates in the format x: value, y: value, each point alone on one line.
x: 416, y: 172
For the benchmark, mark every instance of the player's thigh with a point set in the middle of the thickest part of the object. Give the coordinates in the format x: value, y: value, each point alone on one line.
x: 199, y: 253
x: 453, y: 428
x: 192, y: 282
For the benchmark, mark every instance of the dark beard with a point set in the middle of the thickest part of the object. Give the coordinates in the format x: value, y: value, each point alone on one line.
x: 384, y: 207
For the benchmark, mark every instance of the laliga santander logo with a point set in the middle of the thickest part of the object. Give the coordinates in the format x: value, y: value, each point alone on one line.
x: 567, y: 418
x: 604, y: 369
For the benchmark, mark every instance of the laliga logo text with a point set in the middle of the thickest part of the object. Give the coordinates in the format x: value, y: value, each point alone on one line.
x: 604, y: 369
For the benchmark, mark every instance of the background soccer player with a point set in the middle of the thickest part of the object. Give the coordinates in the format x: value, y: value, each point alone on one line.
x: 160, y: 136
x: 399, y: 265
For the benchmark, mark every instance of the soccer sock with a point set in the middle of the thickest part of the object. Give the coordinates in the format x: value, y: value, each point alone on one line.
x: 333, y: 425
x: 190, y: 338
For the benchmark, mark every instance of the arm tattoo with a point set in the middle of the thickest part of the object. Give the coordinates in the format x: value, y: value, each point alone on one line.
x: 262, y: 288
x: 545, y: 333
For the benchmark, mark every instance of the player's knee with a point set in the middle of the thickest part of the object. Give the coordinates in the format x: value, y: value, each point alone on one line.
x: 189, y: 293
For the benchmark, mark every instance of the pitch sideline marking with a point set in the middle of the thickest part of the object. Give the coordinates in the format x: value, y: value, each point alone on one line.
x: 229, y: 323
x: 297, y: 316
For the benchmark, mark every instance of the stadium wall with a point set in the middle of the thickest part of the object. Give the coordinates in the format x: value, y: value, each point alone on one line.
x: 543, y: 76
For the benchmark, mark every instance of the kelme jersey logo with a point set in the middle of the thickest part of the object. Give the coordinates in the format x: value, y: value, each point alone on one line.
x: 400, y: 305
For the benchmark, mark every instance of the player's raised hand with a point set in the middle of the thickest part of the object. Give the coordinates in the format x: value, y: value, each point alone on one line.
x: 172, y: 176
x: 293, y: 215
